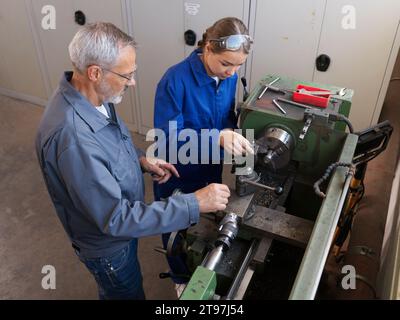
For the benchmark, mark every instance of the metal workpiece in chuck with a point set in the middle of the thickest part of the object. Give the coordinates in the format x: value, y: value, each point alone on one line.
x: 228, y: 229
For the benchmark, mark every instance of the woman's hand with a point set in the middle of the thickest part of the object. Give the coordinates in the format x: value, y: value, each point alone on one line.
x: 234, y: 143
x: 159, y: 169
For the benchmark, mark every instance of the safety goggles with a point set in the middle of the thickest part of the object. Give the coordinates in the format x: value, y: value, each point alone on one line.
x: 234, y: 42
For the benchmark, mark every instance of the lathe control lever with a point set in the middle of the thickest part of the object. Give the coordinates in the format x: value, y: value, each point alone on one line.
x: 278, y: 190
x: 305, y: 128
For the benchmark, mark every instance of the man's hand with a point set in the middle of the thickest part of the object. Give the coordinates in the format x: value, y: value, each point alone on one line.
x: 234, y: 143
x: 212, y: 198
x: 160, y: 170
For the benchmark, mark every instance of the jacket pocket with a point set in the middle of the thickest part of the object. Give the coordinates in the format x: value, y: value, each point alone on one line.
x: 117, y: 270
x: 123, y: 167
x: 118, y: 261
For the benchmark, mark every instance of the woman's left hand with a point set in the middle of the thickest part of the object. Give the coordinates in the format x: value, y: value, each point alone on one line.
x: 159, y: 169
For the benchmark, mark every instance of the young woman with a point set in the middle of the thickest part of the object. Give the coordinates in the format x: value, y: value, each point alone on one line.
x: 199, y: 93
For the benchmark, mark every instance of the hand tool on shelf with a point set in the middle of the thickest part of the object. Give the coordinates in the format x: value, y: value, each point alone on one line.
x: 340, y: 92
x: 268, y: 86
x: 293, y: 103
x: 278, y: 106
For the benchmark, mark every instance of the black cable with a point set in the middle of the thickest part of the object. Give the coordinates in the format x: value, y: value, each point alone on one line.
x: 360, y: 197
x: 340, y: 117
x: 347, y: 121
x: 328, y: 172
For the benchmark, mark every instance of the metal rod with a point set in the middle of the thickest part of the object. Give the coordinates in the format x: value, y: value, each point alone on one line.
x: 258, y: 184
x: 317, y: 93
x: 273, y: 81
x: 294, y: 103
x: 241, y: 291
x: 278, y: 106
x: 262, y: 93
x: 212, y: 259
x: 241, y: 272
x: 266, y: 87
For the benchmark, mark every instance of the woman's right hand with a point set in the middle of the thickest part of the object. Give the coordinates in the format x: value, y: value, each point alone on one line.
x: 234, y: 143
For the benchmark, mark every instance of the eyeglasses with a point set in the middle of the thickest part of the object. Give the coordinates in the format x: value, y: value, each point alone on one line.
x: 128, y: 77
x: 234, y: 42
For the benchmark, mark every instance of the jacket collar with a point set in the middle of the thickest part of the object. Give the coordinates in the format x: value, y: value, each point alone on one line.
x: 81, y: 105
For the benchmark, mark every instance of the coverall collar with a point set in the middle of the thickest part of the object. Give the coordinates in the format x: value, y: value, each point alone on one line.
x: 198, y: 69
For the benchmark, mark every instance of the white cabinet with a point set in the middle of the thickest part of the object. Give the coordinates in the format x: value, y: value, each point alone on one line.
x: 290, y: 35
x: 19, y: 67
x: 53, y: 44
x: 360, y: 57
x: 159, y: 28
x: 286, y: 35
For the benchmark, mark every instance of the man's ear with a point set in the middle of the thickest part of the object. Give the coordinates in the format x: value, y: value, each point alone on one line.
x: 94, y: 73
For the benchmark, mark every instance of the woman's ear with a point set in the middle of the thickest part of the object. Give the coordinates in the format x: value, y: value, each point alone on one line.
x: 207, y: 47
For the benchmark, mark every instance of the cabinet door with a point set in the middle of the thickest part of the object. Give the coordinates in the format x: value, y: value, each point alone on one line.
x: 157, y: 27
x: 19, y: 67
x: 359, y: 56
x: 54, y: 43
x: 286, y: 34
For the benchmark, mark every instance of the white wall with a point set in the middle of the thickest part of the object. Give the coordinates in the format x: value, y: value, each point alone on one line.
x: 19, y: 65
x: 389, y: 273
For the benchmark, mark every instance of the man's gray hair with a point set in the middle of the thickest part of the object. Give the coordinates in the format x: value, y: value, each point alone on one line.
x: 98, y: 43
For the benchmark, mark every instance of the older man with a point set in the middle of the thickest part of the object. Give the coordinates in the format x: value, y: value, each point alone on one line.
x: 93, y: 172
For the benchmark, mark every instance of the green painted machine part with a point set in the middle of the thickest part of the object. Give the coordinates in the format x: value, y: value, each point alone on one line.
x: 201, y: 286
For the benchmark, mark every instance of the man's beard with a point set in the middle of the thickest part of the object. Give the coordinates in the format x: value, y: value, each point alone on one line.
x: 106, y: 91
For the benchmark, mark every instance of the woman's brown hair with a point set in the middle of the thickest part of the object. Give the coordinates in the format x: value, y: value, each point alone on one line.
x: 223, y: 28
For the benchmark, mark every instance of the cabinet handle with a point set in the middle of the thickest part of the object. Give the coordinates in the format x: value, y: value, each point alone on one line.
x: 80, y: 17
x: 190, y: 37
x: 322, y: 62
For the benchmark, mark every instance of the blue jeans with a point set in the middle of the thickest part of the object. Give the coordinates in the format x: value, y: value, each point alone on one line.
x: 118, y: 276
